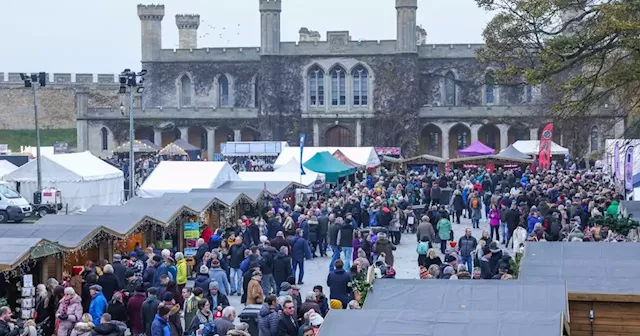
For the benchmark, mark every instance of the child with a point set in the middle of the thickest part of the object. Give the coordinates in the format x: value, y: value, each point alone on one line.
x: 423, y: 250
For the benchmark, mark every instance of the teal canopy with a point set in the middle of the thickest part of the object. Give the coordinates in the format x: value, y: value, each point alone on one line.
x: 327, y: 164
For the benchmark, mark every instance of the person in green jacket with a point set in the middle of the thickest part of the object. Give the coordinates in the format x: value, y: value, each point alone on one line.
x: 612, y: 209
x: 444, y: 230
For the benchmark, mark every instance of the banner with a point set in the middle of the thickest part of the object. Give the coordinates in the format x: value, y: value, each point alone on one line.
x: 544, y: 157
x: 628, y: 169
x: 616, y: 162
x: 303, y: 137
x: 191, y: 230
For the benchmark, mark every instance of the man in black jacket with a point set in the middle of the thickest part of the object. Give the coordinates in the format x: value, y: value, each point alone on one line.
x: 7, y: 328
x: 288, y: 324
x: 512, y: 218
x: 268, y: 254
x: 282, y: 269
x: 149, y: 309
x: 119, y: 270
x: 323, y: 229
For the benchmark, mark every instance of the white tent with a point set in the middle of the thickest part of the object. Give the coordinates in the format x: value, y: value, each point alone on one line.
x: 287, y: 173
x: 83, y: 179
x: 365, y: 156
x: 6, y: 167
x: 532, y: 147
x: 182, y: 176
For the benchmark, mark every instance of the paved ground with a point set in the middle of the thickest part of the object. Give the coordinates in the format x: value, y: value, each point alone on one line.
x: 406, y: 259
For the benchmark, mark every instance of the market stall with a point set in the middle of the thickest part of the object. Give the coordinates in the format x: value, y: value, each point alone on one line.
x: 252, y: 155
x: 6, y: 167
x: 287, y: 173
x: 365, y: 156
x: 140, y: 147
x: 173, y: 152
x: 194, y: 153
x: 182, y: 176
x: 532, y: 147
x: 427, y: 162
x: 332, y: 168
x: 476, y: 148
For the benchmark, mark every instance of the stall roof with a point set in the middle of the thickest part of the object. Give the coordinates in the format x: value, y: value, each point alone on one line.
x: 618, y: 267
x: 185, y: 145
x: 532, y: 147
x: 459, y: 323
x: 71, y: 167
x: 272, y: 187
x: 69, y: 236
x: 6, y: 167
x: 365, y: 156
x: 182, y: 176
x: 423, y: 157
x: 477, y: 295
x: 13, y: 251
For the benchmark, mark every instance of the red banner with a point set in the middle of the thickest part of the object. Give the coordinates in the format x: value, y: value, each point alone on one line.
x: 491, y: 167
x: 546, y: 139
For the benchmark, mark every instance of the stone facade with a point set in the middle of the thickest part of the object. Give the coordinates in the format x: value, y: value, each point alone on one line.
x: 424, y: 98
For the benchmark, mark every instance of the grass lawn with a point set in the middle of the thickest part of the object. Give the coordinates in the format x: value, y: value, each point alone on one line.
x: 17, y: 138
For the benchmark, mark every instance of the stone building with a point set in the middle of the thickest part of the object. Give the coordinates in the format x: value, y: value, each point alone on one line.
x: 425, y: 98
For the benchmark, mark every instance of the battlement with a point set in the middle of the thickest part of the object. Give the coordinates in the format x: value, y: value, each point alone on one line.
x: 63, y: 78
x: 187, y: 21
x: 151, y: 12
x: 209, y: 55
x: 407, y: 4
x: 271, y: 5
x: 449, y: 50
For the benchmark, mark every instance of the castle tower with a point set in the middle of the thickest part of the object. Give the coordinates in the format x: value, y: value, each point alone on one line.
x: 406, y: 22
x: 188, y: 30
x: 151, y: 23
x: 270, y: 26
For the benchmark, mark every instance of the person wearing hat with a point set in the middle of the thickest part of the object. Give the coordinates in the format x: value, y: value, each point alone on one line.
x: 216, y: 273
x: 335, y: 304
x: 255, y: 295
x: 485, y: 266
x: 131, y: 284
x: 246, y: 278
x: 98, y: 303
x: 449, y: 260
x: 216, y: 297
x: 168, y: 300
x: 119, y: 270
x: 134, y: 308
x: 160, y: 325
x: 202, y: 279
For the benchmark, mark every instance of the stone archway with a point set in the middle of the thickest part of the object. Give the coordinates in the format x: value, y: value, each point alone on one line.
x: 517, y: 133
x: 339, y: 136
x: 459, y: 138
x: 431, y: 140
x: 249, y: 134
x: 489, y: 135
x: 198, y: 137
x: 170, y: 136
x: 223, y: 134
x: 144, y: 133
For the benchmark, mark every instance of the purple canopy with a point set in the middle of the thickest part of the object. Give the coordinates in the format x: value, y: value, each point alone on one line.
x: 477, y: 148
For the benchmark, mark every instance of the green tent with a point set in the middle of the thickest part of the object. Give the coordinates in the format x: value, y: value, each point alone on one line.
x: 327, y: 164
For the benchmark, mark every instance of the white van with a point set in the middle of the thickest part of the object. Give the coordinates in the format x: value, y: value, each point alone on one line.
x: 12, y: 206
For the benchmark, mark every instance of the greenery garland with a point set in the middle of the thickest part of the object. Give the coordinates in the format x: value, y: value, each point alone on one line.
x: 620, y: 224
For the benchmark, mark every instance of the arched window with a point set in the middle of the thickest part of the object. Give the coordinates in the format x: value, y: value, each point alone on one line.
x: 338, y: 87
x: 223, y: 91
x: 450, y: 90
x: 595, y: 139
x: 434, y: 142
x: 104, y: 137
x: 462, y: 140
x: 316, y: 86
x: 489, y: 89
x: 360, y: 86
x: 185, y: 91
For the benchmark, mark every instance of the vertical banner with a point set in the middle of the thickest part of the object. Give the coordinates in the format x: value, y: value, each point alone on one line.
x: 616, y: 162
x: 628, y: 169
x: 303, y: 137
x: 491, y: 167
x: 544, y: 157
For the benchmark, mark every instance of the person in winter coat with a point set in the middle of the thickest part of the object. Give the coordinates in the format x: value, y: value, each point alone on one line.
x: 84, y: 327
x: 216, y: 298
x: 134, y: 311
x: 334, y: 230
x: 161, y: 269
x: 299, y: 251
x: 612, y: 210
x: 109, y: 327
x: 202, y: 279
x: 204, y: 315
x: 203, y: 248
x: 109, y: 282
x: 175, y: 323
x: 116, y: 308
x: 323, y: 230
x: 220, y: 276
x: 475, y: 207
x: 458, y: 205
x: 98, y: 303
x: 268, y: 254
x: 338, y: 281
x: 485, y: 266
x: 159, y: 326
x: 181, y: 275
x: 383, y: 245
x: 309, y: 303
x: 494, y: 222
x: 444, y: 232
x: 119, y: 270
x: 282, y: 268
x: 345, y: 241
x: 314, y: 232
x: 268, y: 317
x: 532, y: 220
x: 69, y: 311
x: 279, y: 241
x: 149, y: 309
x: 214, y: 241
x: 236, y: 255
x: 425, y: 230
x: 467, y: 244
x: 255, y: 295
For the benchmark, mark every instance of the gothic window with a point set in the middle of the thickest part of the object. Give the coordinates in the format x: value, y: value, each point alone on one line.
x: 462, y: 140
x: 434, y: 142
x: 360, y: 87
x: 338, y: 87
x: 104, y: 137
x: 490, y: 89
x: 223, y: 91
x: 185, y: 91
x: 450, y: 90
x: 316, y: 86
x: 595, y: 139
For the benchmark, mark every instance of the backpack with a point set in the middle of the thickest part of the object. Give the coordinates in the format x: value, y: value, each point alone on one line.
x: 209, y: 329
x: 423, y: 248
x: 475, y: 203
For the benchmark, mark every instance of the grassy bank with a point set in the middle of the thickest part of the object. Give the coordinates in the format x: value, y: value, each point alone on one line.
x: 17, y: 138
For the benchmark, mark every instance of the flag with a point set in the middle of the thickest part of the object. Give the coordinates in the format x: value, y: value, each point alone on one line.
x: 303, y: 137
x: 544, y: 157
x: 616, y: 162
x: 628, y: 169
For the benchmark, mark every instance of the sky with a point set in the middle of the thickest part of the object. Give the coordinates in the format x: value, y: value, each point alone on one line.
x: 103, y: 36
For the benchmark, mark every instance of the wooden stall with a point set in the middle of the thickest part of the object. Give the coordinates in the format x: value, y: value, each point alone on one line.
x: 602, y: 283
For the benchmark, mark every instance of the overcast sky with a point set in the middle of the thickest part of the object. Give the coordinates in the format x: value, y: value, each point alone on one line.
x: 103, y: 36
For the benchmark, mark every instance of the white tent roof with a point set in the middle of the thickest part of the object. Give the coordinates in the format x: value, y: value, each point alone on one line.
x: 182, y: 176
x: 287, y: 173
x: 72, y: 167
x: 532, y: 147
x: 6, y: 167
x: 365, y: 156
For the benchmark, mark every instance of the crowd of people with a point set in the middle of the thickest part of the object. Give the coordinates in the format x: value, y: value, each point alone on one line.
x: 356, y: 227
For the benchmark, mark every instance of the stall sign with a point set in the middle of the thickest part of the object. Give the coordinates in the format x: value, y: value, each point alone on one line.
x: 388, y: 150
x: 190, y: 251
x: 191, y: 230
